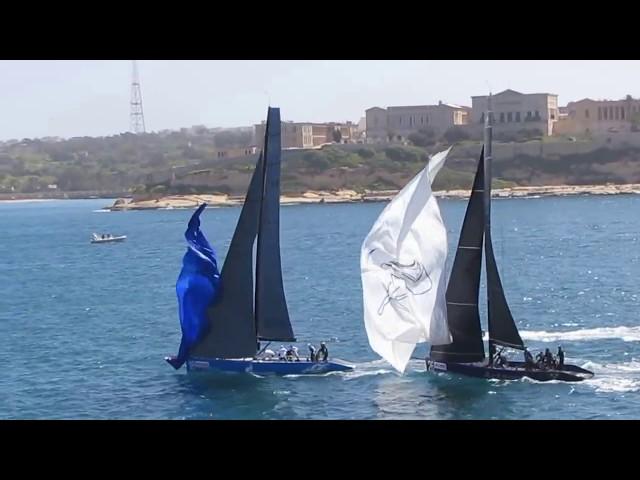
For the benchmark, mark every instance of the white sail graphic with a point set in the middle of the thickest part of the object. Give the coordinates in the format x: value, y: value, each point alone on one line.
x: 402, y: 264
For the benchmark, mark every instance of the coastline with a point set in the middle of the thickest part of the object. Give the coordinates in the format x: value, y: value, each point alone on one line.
x: 170, y: 202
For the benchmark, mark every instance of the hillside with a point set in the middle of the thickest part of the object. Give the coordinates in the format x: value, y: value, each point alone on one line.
x: 181, y: 163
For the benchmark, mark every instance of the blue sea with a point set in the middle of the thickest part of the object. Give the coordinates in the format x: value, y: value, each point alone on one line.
x: 84, y: 328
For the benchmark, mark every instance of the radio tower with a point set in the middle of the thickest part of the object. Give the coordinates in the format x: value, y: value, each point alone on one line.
x: 136, y: 117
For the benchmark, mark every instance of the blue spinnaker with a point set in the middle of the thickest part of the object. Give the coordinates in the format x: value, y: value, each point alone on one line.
x: 197, y: 288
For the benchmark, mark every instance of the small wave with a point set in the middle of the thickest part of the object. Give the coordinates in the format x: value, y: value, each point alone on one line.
x: 364, y: 373
x: 627, y: 334
x: 614, y: 377
x: 101, y: 210
x: 615, y: 384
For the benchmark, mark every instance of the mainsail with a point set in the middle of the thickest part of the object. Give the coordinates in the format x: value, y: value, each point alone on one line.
x: 463, y: 290
x: 231, y: 326
x: 402, y: 263
x: 272, y: 315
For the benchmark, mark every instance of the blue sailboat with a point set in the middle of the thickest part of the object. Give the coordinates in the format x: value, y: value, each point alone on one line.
x: 241, y: 317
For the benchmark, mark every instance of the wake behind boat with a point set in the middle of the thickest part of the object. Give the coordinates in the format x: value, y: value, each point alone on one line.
x: 107, y: 238
x: 223, y: 318
x: 466, y: 354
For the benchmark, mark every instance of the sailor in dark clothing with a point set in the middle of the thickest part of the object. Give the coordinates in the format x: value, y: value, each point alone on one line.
x: 560, y: 358
x: 312, y: 353
x: 548, y: 358
x: 528, y: 359
x: 323, y: 353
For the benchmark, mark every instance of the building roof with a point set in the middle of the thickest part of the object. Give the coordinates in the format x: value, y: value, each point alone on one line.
x: 510, y: 91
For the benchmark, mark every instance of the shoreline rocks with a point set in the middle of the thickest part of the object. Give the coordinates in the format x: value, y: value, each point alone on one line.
x: 350, y: 196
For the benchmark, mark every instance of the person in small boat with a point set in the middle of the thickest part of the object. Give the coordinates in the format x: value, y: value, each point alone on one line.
x: 312, y: 353
x: 323, y: 353
x: 528, y: 359
x: 103, y: 236
x: 560, y: 358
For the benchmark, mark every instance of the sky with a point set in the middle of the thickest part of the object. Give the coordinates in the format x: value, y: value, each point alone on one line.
x: 91, y: 97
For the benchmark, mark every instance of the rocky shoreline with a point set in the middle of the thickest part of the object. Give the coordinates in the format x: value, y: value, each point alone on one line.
x: 170, y: 202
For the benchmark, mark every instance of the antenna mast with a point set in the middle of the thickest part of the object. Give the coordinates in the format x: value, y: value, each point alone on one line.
x: 136, y: 116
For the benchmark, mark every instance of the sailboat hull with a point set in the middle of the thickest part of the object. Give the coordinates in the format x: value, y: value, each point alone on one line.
x: 515, y: 371
x: 267, y: 367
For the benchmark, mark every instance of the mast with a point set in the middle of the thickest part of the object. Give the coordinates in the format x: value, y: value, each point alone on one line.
x: 488, y: 137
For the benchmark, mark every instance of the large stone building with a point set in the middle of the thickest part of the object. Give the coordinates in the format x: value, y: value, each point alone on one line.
x: 395, y: 124
x: 514, y: 111
x: 598, y: 116
x: 309, y: 135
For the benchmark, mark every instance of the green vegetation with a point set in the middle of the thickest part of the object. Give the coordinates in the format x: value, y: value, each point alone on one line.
x: 116, y: 163
x: 184, y: 163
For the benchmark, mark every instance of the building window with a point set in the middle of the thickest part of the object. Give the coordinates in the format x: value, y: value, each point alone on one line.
x: 501, y: 117
x: 518, y: 117
x: 528, y: 115
x: 410, y: 121
x: 586, y: 113
x: 482, y: 118
x: 605, y: 113
x: 537, y: 115
x: 610, y: 113
x: 622, y: 113
x: 616, y: 111
x: 509, y: 117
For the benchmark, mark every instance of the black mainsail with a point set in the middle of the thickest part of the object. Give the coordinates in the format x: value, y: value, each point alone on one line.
x: 464, y: 283
x: 231, y: 331
x: 272, y: 315
x: 463, y: 289
x: 234, y: 323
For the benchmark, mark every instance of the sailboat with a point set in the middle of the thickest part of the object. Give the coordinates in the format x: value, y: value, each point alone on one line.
x: 465, y: 354
x: 242, y: 317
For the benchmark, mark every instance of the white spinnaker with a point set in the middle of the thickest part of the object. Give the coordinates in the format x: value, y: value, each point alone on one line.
x: 402, y: 263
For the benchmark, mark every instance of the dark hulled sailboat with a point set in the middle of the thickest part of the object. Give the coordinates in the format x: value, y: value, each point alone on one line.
x: 466, y: 355
x: 243, y: 316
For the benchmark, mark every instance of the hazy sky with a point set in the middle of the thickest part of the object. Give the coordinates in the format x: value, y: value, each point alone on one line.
x: 76, y: 98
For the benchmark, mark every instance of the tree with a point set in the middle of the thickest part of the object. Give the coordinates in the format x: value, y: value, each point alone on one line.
x: 317, y: 161
x: 423, y: 137
x: 337, y: 135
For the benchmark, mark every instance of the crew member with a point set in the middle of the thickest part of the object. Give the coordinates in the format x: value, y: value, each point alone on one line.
x: 560, y: 358
x: 323, y: 353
